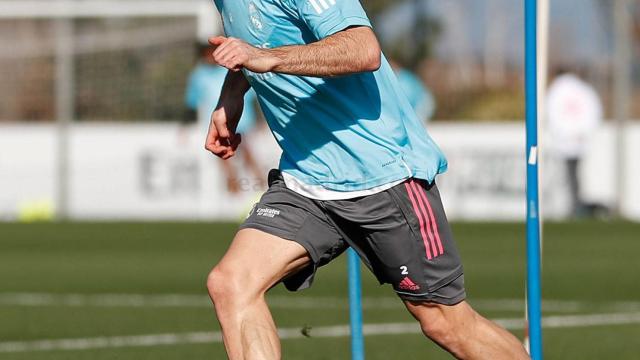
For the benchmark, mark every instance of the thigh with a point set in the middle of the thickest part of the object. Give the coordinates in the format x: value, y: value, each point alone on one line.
x: 294, y: 219
x: 403, y: 235
x: 262, y: 259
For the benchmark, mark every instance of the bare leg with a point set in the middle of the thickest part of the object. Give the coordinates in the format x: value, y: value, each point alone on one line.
x: 465, y: 333
x: 254, y: 262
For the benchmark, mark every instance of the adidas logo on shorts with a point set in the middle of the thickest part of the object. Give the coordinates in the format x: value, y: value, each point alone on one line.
x: 407, y: 284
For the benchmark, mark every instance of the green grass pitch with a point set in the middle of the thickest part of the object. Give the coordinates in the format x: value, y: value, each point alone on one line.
x: 59, y: 281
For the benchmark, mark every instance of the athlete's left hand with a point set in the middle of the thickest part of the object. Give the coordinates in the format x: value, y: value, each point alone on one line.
x: 235, y: 54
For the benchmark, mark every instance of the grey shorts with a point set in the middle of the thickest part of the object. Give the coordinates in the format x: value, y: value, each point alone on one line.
x: 401, y: 234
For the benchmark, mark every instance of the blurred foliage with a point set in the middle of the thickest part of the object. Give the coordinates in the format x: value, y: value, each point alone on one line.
x: 375, y: 7
x: 482, y: 105
x: 410, y: 50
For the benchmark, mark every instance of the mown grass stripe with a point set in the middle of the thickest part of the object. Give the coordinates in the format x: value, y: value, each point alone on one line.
x: 564, y: 321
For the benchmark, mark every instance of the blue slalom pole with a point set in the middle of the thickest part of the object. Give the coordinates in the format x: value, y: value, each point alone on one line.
x: 534, y: 312
x: 355, y: 306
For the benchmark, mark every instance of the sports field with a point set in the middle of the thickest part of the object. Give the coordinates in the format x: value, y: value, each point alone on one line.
x: 136, y: 291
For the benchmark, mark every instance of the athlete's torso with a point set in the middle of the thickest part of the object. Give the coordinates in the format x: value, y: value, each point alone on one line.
x: 345, y: 133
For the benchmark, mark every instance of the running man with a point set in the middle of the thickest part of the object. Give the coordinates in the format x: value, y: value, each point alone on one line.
x: 358, y: 169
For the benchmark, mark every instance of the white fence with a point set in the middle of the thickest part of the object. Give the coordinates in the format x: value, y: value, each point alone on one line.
x: 161, y: 171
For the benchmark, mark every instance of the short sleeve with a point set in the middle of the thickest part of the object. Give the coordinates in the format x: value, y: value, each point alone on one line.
x: 327, y: 17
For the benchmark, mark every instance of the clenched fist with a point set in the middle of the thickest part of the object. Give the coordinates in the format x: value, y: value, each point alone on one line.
x: 235, y: 54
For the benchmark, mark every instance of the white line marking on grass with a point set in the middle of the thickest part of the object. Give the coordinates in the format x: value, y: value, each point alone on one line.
x: 295, y: 333
x: 104, y: 300
x: 291, y: 302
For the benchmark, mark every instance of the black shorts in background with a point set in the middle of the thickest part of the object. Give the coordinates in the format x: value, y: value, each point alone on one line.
x: 401, y: 234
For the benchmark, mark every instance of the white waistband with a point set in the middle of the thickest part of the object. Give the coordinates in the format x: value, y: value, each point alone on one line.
x: 319, y: 192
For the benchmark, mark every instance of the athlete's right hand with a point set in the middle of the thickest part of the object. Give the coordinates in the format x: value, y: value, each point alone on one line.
x: 222, y: 139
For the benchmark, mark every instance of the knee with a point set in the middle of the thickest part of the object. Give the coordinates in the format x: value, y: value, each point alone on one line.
x: 448, y: 331
x: 223, y: 285
x: 442, y: 331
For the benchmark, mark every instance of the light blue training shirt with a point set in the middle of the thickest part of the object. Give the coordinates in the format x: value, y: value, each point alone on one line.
x: 344, y: 133
x: 203, y: 92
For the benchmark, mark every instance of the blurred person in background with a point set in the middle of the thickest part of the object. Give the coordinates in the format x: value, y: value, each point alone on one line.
x: 416, y: 91
x: 357, y: 170
x: 574, y: 113
x: 201, y: 96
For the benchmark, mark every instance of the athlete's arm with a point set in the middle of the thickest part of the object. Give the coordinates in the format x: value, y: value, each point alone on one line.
x: 222, y: 139
x: 353, y: 50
